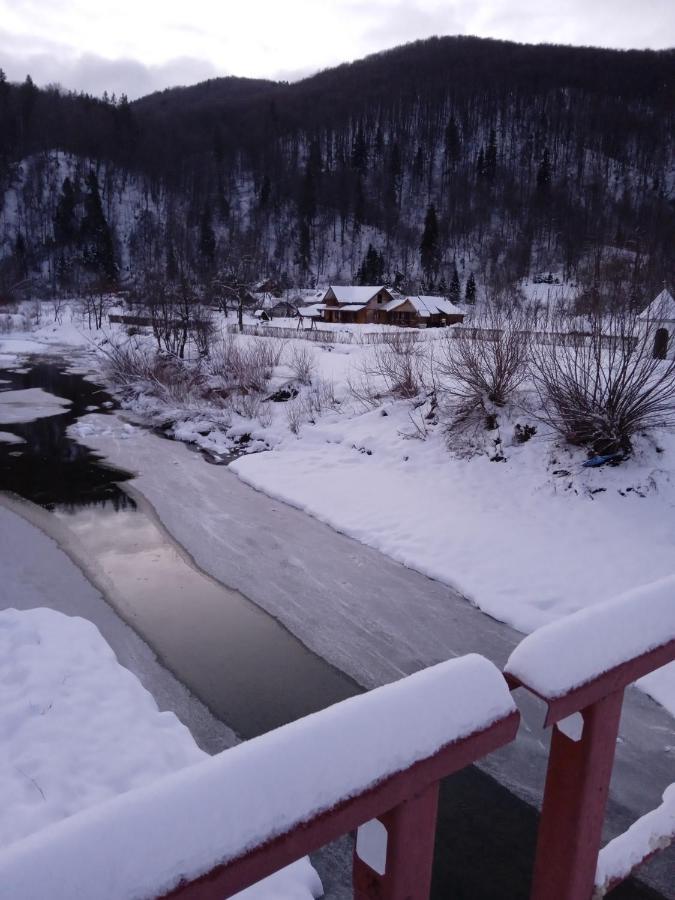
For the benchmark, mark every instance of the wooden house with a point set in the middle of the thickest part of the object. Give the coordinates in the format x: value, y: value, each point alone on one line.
x: 371, y: 304
x: 360, y: 304
x: 422, y: 311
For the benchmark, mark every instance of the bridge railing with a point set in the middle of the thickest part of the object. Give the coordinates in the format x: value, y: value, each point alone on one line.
x: 581, y: 666
x: 372, y: 763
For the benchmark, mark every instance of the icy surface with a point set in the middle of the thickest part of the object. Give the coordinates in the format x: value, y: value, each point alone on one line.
x: 29, y: 404
x: 651, y: 832
x: 35, y: 572
x: 212, y: 812
x: 578, y: 648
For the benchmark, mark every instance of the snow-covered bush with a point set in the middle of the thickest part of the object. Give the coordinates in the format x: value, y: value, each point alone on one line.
x: 600, y: 387
x: 302, y: 363
x: 479, y: 369
x: 127, y: 363
x: 245, y: 366
x: 397, y: 363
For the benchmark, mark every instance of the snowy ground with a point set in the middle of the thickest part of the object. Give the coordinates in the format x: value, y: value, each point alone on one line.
x: 527, y: 540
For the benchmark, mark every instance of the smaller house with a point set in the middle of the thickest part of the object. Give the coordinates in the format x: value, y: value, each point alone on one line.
x: 283, y: 309
x: 423, y: 311
x: 659, y: 316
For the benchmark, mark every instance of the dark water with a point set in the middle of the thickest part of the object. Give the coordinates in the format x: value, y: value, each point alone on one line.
x: 251, y: 672
x: 242, y: 663
x: 50, y: 468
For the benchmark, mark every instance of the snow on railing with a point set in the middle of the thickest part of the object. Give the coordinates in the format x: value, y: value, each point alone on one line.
x: 214, y: 828
x: 581, y: 666
x: 652, y: 832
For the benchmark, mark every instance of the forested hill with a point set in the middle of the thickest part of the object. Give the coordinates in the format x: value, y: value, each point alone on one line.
x: 500, y: 159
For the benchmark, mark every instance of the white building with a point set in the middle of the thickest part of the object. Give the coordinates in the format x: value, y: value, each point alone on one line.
x: 659, y: 317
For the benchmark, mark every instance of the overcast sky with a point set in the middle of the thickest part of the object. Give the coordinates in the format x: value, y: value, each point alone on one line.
x: 137, y: 46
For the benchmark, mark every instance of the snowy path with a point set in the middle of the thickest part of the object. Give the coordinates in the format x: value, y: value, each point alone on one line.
x: 370, y: 616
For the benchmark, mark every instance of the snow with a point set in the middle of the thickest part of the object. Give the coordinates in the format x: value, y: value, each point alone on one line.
x: 266, y: 787
x: 654, y: 831
x: 515, y: 537
x: 371, y: 845
x: 662, y: 308
x: 6, y: 437
x: 355, y: 294
x: 77, y: 727
x: 29, y: 404
x: 577, y: 649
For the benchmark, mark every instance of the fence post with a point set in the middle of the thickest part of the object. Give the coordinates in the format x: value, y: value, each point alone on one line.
x: 577, y: 785
x: 411, y: 833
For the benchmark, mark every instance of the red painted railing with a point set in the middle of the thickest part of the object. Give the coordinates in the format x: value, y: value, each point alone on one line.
x: 138, y: 843
x: 577, y: 781
x: 405, y: 804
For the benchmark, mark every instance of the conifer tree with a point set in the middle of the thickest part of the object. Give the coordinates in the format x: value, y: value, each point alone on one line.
x: 452, y: 142
x: 544, y: 173
x: 65, y: 224
x: 429, y: 250
x: 491, y: 157
x: 455, y: 292
x: 97, y: 244
x: 480, y: 163
x: 207, y: 238
x: 470, y: 292
x: 371, y: 270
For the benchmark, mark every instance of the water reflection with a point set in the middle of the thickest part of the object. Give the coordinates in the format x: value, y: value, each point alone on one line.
x: 53, y: 468
x: 237, y: 659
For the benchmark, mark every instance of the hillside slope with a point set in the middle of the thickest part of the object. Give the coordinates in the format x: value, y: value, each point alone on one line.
x: 534, y: 159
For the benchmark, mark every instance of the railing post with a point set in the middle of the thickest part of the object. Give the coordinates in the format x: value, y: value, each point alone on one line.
x: 577, y: 785
x: 411, y: 833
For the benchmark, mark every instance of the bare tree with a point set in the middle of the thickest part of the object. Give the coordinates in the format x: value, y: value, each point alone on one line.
x: 478, y: 369
x: 398, y: 363
x: 601, y: 387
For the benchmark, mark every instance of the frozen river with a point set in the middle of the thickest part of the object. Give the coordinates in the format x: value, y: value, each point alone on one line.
x: 369, y: 616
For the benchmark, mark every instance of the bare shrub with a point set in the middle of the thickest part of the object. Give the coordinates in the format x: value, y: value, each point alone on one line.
x: 302, y: 363
x: 362, y: 389
x: 320, y: 397
x: 398, y: 362
x: 134, y: 365
x: 246, y: 366
x: 265, y: 415
x: 295, y: 415
x: 247, y: 405
x: 128, y: 363
x: 601, y: 387
x: 483, y: 366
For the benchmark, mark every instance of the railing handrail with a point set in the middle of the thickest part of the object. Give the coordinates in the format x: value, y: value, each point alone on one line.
x: 581, y: 756
x: 307, y: 781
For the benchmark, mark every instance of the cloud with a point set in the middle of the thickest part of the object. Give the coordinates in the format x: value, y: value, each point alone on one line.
x: 94, y: 74
x: 136, y: 47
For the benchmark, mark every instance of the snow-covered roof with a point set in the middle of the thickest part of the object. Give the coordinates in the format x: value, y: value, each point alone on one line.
x: 662, y: 307
x: 355, y: 293
x: 442, y: 304
x: 426, y: 305
x: 352, y: 307
x: 311, y: 311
